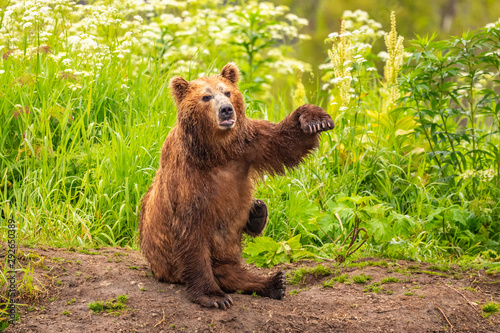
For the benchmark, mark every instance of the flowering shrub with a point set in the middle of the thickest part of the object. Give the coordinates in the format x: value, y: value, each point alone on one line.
x: 428, y: 129
x: 181, y: 38
x: 360, y: 33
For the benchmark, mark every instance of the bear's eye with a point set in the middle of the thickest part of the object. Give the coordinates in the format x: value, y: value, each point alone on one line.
x: 228, y: 94
x: 206, y: 98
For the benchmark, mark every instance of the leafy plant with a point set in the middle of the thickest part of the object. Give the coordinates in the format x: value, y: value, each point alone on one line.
x: 299, y: 275
x: 361, y: 279
x: 266, y: 252
x: 489, y: 309
x: 110, y: 306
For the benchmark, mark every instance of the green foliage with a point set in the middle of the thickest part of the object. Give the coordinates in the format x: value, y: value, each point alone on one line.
x: 266, y: 252
x: 368, y: 264
x: 374, y: 288
x: 389, y: 280
x: 298, y: 276
x: 490, y: 309
x: 112, y: 306
x: 361, y: 279
x: 343, y: 278
x: 328, y: 283
x: 451, y: 88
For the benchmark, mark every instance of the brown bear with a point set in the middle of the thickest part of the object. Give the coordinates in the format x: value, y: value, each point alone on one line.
x: 201, y: 199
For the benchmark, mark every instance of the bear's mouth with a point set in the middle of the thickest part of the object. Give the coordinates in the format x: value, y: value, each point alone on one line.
x: 227, y: 123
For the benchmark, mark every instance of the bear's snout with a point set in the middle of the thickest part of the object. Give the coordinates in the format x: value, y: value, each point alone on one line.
x: 226, y: 116
x: 226, y: 111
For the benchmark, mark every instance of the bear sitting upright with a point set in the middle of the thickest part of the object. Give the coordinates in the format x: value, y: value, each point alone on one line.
x: 201, y: 200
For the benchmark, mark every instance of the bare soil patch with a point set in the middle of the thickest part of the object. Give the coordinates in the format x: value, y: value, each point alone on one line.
x: 422, y: 300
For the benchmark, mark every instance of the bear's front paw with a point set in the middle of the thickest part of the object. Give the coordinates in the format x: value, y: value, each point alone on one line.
x: 221, y: 301
x: 277, y: 285
x: 257, y: 218
x: 314, y: 119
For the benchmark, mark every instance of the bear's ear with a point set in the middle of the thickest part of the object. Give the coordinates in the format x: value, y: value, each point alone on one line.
x: 231, y: 72
x: 179, y: 87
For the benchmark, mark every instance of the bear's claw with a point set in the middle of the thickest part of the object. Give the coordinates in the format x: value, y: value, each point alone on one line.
x: 216, y: 301
x: 314, y: 119
x: 278, y: 285
x: 322, y: 126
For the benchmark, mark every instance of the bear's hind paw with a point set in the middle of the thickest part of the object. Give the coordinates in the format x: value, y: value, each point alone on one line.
x: 278, y: 286
x: 222, y: 302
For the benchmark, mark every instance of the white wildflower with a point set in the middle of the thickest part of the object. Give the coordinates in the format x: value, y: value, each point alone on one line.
x: 88, y: 44
x: 73, y: 40
x: 383, y: 55
x: 468, y: 174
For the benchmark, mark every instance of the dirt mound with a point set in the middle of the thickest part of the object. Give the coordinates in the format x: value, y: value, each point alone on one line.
x: 369, y: 296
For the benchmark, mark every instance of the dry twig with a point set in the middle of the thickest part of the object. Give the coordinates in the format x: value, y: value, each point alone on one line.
x: 473, y: 305
x: 162, y: 320
x: 451, y: 326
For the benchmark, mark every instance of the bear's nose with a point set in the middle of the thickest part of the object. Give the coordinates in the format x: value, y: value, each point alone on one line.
x: 226, y: 111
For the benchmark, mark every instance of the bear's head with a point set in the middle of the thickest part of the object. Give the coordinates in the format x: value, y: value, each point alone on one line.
x: 214, y: 104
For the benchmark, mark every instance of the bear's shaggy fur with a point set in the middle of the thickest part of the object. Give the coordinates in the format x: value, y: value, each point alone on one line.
x: 201, y: 199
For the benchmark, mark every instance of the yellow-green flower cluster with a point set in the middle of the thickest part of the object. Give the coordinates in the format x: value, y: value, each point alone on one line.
x: 299, y: 95
x: 362, y: 32
x: 395, y: 52
x: 342, y: 59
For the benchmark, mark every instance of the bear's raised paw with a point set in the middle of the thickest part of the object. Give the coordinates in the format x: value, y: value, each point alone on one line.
x: 314, y: 119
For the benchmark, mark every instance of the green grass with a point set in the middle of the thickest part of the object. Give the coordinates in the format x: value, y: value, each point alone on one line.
x: 299, y: 275
x: 361, y: 279
x: 112, y: 306
x: 330, y: 283
x: 374, y: 288
x: 368, y: 264
x: 490, y: 309
x: 389, y: 280
x: 341, y: 278
x: 296, y: 291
